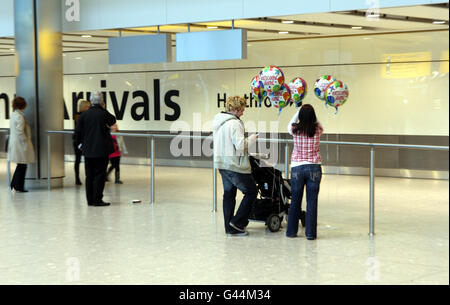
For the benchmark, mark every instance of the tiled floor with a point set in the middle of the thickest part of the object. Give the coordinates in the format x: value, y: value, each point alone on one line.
x: 55, y: 238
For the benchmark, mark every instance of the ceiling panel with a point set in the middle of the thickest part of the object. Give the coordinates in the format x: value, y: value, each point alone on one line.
x: 379, y: 23
x: 305, y: 26
x: 295, y: 28
x: 422, y: 11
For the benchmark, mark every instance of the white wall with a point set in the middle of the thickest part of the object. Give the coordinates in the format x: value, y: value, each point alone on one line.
x: 412, y: 100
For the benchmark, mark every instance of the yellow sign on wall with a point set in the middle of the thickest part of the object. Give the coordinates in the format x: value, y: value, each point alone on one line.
x: 444, y: 64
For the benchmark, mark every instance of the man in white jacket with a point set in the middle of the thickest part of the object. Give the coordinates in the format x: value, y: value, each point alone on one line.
x: 231, y: 158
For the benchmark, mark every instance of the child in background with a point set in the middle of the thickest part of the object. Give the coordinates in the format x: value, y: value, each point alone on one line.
x: 114, y: 158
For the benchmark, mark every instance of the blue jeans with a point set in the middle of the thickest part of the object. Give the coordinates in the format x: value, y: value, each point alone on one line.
x: 232, y: 181
x: 308, y: 175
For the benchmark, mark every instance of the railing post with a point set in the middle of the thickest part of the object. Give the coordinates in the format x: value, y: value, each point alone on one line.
x: 286, y: 164
x: 152, y: 168
x: 48, y: 161
x: 8, y: 170
x: 372, y: 193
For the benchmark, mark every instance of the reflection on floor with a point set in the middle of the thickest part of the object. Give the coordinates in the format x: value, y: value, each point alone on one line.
x: 55, y: 238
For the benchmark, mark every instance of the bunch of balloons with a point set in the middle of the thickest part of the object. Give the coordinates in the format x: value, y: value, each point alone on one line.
x: 332, y: 91
x: 270, y: 82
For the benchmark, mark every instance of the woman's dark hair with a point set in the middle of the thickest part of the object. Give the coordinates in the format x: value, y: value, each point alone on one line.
x: 19, y: 103
x: 307, y: 121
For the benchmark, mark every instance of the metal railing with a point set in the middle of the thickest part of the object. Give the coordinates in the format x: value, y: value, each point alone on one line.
x: 286, y: 142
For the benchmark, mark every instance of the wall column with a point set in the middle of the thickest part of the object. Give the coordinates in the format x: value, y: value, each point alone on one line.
x: 38, y: 39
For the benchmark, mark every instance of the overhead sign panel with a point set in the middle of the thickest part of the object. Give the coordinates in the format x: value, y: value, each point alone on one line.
x: 140, y: 49
x: 212, y: 45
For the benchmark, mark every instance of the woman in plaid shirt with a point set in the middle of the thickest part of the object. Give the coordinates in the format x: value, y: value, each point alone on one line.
x: 306, y: 169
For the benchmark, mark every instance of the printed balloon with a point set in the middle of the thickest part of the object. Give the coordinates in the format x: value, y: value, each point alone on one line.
x: 298, y: 88
x: 336, y: 94
x: 281, y: 98
x: 271, y: 78
x: 321, y: 84
x: 257, y: 90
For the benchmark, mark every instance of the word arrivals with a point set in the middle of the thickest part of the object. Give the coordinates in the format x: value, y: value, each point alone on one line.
x: 5, y: 98
x: 196, y: 295
x: 140, y: 108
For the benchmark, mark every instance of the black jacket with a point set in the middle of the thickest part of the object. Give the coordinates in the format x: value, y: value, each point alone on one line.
x: 92, y: 131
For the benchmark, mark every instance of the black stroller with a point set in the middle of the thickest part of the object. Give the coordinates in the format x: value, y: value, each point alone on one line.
x: 274, y: 197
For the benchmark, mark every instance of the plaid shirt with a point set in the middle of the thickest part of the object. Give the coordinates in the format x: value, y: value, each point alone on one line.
x: 307, y: 149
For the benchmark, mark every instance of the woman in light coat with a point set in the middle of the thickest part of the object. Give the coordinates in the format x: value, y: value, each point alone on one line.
x: 20, y: 148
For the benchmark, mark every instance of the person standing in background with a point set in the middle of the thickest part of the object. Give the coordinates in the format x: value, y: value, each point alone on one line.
x: 83, y: 105
x: 20, y: 147
x: 114, y: 158
x: 306, y: 170
x: 93, y: 136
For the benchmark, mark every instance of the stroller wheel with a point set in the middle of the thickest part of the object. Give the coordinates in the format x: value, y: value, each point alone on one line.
x: 274, y: 223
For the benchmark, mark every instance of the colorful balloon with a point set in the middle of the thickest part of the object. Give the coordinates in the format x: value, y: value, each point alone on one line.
x: 321, y: 84
x: 257, y: 90
x: 271, y: 78
x: 298, y: 88
x: 281, y: 98
x: 336, y: 94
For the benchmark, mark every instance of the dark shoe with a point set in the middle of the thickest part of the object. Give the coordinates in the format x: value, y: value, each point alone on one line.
x: 22, y: 191
x: 291, y: 236
x: 78, y: 182
x: 101, y: 204
x: 303, y: 218
x: 237, y: 234
x: 237, y: 228
x: 310, y: 238
x: 117, y: 179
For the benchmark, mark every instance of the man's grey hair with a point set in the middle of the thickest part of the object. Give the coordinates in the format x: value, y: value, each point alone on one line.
x: 97, y: 98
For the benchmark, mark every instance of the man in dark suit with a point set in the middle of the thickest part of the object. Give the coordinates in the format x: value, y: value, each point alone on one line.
x: 92, y: 133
